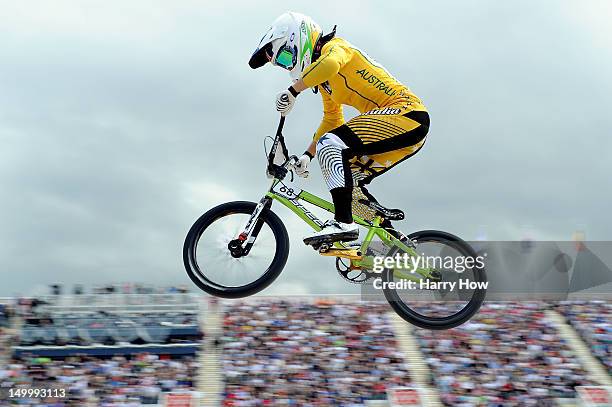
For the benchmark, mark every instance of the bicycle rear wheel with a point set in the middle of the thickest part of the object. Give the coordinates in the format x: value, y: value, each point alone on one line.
x: 210, y: 264
x: 438, y: 306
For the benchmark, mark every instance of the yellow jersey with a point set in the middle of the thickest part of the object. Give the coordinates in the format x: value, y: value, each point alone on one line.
x: 346, y: 75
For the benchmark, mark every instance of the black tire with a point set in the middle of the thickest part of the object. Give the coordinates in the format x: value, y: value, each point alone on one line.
x: 243, y: 207
x: 430, y: 322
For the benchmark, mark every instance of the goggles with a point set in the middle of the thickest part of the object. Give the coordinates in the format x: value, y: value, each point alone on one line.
x: 286, y: 57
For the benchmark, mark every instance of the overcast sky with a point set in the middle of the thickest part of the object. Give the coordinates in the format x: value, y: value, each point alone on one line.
x: 121, y: 122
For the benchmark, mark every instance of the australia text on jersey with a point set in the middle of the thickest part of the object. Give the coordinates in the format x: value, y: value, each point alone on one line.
x: 376, y: 82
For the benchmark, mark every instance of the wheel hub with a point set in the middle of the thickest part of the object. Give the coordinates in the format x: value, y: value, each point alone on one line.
x: 235, y: 248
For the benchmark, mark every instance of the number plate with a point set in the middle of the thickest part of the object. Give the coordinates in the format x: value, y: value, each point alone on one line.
x: 286, y: 191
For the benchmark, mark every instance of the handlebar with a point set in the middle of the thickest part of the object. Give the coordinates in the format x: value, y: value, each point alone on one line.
x: 279, y: 130
x: 280, y: 171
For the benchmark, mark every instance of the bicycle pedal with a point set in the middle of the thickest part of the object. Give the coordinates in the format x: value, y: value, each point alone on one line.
x: 318, y: 241
x: 351, y: 254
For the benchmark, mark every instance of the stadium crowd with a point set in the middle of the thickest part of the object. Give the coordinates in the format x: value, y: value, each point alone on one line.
x: 113, y: 382
x: 509, y: 355
x: 304, y: 354
x: 593, y: 321
x: 321, y: 353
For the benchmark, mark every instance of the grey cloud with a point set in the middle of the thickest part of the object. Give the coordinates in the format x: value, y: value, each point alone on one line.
x: 115, y: 122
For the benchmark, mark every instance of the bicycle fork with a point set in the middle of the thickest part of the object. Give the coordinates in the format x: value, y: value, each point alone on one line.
x: 241, y: 246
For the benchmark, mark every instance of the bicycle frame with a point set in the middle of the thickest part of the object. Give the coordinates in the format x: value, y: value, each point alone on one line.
x: 290, y: 196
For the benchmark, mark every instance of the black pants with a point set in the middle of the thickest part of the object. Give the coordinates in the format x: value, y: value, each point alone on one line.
x: 374, y: 145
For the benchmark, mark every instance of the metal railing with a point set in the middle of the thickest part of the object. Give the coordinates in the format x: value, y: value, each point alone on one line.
x: 119, y: 302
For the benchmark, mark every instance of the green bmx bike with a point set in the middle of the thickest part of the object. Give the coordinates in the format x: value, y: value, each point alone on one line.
x: 431, y: 279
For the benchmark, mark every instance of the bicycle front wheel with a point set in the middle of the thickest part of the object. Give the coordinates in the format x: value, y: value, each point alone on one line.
x: 210, y: 264
x: 448, y: 287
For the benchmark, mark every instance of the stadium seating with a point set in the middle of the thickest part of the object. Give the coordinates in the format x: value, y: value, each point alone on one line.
x: 308, y: 354
x: 110, y: 329
x: 593, y: 321
x: 509, y: 355
x: 127, y: 357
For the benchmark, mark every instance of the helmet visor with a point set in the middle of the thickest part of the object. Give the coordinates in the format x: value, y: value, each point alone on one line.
x: 261, y: 56
x: 286, y: 57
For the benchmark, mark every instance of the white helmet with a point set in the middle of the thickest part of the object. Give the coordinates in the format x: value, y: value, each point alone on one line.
x: 289, y: 43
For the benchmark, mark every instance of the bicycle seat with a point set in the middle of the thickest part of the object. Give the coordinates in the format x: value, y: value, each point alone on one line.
x: 391, y: 214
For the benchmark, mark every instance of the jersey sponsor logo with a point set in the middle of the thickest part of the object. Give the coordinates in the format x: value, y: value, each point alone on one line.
x: 376, y: 82
x: 386, y: 110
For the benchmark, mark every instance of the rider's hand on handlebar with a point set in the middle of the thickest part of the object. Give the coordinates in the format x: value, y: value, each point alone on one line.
x: 268, y: 175
x: 301, y: 167
x: 284, y: 102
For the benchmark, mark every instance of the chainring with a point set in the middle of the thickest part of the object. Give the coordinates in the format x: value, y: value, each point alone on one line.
x: 362, y: 276
x: 375, y: 249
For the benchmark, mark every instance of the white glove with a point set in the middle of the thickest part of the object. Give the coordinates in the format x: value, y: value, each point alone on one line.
x: 284, y: 102
x: 301, y: 167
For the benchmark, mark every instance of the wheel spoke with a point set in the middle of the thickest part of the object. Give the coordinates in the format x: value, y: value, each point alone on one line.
x: 215, y: 261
